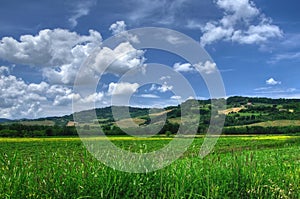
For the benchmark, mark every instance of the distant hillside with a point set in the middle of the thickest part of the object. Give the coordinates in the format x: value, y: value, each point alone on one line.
x: 277, y: 123
x: 244, y: 115
x: 2, y: 120
x: 240, y: 111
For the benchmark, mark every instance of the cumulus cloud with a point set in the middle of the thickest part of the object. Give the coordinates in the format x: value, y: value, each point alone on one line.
x: 95, y: 97
x: 164, y: 88
x: 122, y: 88
x: 18, y: 99
x: 31, y: 100
x: 119, y: 60
x: 81, y: 8
x: 58, y: 53
x: 4, y: 69
x: 242, y: 22
x: 272, y: 81
x: 119, y: 29
x: 48, y: 48
x: 186, y: 67
x: 65, y: 99
x: 207, y: 67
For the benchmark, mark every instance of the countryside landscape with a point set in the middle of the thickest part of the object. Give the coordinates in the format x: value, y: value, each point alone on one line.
x: 167, y: 99
x: 256, y: 156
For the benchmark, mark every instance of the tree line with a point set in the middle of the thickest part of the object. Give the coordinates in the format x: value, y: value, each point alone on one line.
x: 19, y: 130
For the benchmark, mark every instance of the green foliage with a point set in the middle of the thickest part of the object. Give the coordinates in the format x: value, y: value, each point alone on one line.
x: 168, y: 133
x: 238, y: 100
x: 19, y: 130
x: 256, y: 130
x: 9, y: 133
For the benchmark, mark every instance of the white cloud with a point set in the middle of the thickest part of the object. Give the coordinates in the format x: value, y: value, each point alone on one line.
x: 176, y: 97
x: 213, y: 32
x: 272, y: 90
x: 191, y: 24
x: 149, y: 96
x: 164, y: 87
x: 40, y: 88
x: 153, y: 87
x: 272, y: 81
x: 120, y: 59
x: 237, y: 10
x: 158, y: 11
x: 64, y: 100
x: 48, y: 48
x: 262, y: 88
x: 82, y: 8
x: 290, y: 90
x: 4, y: 69
x: 119, y: 29
x: 18, y: 99
x: 95, y: 97
x: 59, y: 54
x: 186, y: 67
x: 290, y: 42
x: 242, y: 22
x: 257, y: 34
x: 207, y: 68
x: 32, y: 100
x: 165, y: 77
x: 285, y: 56
x: 190, y: 98
x: 173, y: 39
x: 123, y: 88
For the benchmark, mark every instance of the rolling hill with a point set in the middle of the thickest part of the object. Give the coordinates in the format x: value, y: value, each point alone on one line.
x: 240, y: 112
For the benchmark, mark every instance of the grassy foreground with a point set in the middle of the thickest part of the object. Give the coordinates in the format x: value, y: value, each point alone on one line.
x: 239, y: 167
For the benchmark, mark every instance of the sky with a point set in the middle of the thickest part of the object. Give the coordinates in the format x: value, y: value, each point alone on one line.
x: 254, y: 45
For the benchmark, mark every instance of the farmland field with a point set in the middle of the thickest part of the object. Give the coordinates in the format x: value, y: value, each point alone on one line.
x: 277, y: 123
x: 238, y: 167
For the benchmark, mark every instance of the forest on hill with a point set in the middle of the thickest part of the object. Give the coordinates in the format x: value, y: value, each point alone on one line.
x: 244, y: 115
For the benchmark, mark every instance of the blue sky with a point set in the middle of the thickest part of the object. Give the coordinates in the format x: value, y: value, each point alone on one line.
x: 254, y: 44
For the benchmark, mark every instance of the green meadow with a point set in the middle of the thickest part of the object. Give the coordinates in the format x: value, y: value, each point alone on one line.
x: 238, y: 167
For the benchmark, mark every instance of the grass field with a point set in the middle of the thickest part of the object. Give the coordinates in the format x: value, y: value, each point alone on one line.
x: 231, y: 110
x: 238, y: 167
x: 277, y: 123
x: 127, y: 123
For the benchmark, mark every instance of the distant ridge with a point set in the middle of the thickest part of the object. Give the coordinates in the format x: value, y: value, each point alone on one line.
x: 2, y: 120
x: 104, y: 114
